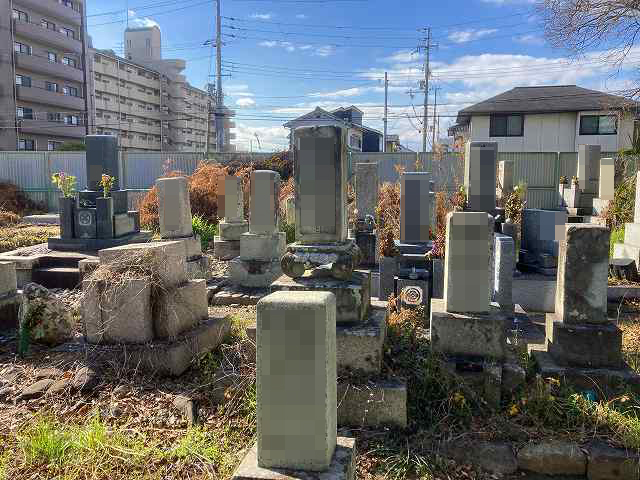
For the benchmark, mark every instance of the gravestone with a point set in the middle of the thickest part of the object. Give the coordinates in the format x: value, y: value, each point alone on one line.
x: 588, y: 161
x: 505, y: 177
x: 606, y: 186
x: 226, y: 245
x: 174, y: 211
x: 366, y: 202
x: 505, y: 262
x: 542, y: 232
x: 92, y: 222
x: 262, y: 247
x: 320, y: 174
x: 291, y: 210
x: 480, y: 164
x: 579, y: 333
x: 415, y: 206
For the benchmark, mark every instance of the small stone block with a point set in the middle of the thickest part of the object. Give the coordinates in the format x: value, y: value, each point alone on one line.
x: 473, y: 334
x: 180, y: 309
x: 372, y: 404
x: 126, y: 313
x: 174, y: 207
x: 296, y: 380
x: 342, y: 467
x: 168, y: 258
x: 8, y: 279
x: 623, y: 269
x: 263, y: 247
x: 123, y: 223
x: 232, y: 231
x: 225, y: 249
x: 254, y: 273
x: 359, y: 347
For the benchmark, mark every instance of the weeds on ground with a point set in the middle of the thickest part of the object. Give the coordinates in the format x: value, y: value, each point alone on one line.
x: 290, y: 230
x: 25, y: 236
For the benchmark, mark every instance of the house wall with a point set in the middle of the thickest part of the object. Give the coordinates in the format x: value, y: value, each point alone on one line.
x: 324, y: 122
x: 553, y: 132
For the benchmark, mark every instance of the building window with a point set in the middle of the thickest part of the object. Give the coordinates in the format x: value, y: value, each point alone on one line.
x: 54, y: 117
x: 598, y: 125
x: 21, y: 48
x: 47, y: 24
x: 68, y: 32
x: 20, y: 15
x: 53, y: 145
x: 23, y: 80
x: 71, y: 120
x: 72, y: 91
x: 506, y: 126
x: 66, y: 3
x: 26, y: 113
x: 52, y: 87
x: 69, y: 61
x: 53, y: 58
x: 26, y: 144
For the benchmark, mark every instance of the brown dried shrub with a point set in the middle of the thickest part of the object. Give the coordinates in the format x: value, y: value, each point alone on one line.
x: 388, y: 209
x: 8, y: 218
x: 13, y: 199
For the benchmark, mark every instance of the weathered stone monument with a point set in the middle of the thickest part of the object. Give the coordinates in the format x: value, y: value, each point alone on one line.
x: 366, y: 201
x: 480, y: 164
x: 606, y: 186
x: 90, y: 221
x: 505, y: 264
x: 231, y: 208
x: 9, y: 299
x: 542, y: 233
x: 140, y: 306
x: 505, y: 177
x: 174, y: 209
x: 262, y: 247
x: 588, y: 165
x: 631, y: 246
x: 582, y: 344
x: 296, y: 391
x: 464, y: 325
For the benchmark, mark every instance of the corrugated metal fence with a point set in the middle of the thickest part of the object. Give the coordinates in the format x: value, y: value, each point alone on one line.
x: 32, y: 171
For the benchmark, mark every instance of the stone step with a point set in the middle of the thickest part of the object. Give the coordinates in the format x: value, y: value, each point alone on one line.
x: 60, y: 260
x: 57, y: 277
x: 372, y: 403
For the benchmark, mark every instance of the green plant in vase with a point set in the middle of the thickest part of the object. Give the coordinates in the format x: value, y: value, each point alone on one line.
x: 66, y: 183
x: 107, y: 184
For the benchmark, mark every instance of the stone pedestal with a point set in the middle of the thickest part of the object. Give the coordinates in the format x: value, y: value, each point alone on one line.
x: 258, y: 263
x: 570, y: 195
x: 104, y: 217
x: 227, y: 245
x: 66, y: 206
x: 338, y: 258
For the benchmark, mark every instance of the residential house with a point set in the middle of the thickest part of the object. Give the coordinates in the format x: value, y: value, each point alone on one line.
x: 548, y: 119
x: 361, y: 138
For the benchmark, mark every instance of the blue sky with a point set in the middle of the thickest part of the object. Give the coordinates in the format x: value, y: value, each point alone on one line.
x: 282, y: 58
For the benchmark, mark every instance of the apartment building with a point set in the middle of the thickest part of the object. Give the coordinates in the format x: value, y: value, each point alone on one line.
x: 42, y: 80
x: 147, y: 102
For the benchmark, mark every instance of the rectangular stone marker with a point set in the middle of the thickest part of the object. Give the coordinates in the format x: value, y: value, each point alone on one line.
x: 102, y: 157
x: 480, y: 164
x: 231, y: 200
x: 265, y: 188
x: 466, y: 264
x: 291, y: 210
x: 542, y: 230
x: 415, y: 216
x: 583, y: 268
x: 606, y: 187
x: 296, y: 380
x: 588, y: 161
x: 505, y: 260
x: 8, y: 279
x: 174, y: 207
x: 320, y: 171
x: 505, y: 175
x: 366, y: 189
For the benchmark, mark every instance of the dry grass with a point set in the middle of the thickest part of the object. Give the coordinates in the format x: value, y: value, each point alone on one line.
x: 22, y: 235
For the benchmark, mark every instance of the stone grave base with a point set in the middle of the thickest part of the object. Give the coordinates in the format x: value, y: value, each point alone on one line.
x: 535, y: 292
x: 198, y: 268
x: 604, y: 381
x: 9, y: 306
x: 235, y: 295
x: 95, y: 244
x: 166, y: 357
x: 591, y: 345
x: 232, y: 230
x: 468, y: 334
x: 367, y: 243
x: 225, y: 249
x: 372, y: 404
x: 254, y: 273
x: 359, y: 347
x: 534, y: 262
x: 337, y: 259
x: 343, y: 466
x: 353, y: 297
x: 413, y: 248
x: 625, y: 250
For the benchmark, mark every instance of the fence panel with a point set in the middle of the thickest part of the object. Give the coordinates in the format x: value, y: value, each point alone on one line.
x: 142, y: 169
x: 389, y: 163
x: 27, y: 170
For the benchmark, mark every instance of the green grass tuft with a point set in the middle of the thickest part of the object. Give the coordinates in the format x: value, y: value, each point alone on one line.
x: 617, y: 236
x: 205, y: 229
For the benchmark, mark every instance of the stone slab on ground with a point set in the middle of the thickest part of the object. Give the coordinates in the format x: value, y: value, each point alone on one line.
x: 553, y: 458
x: 608, y: 381
x: 353, y: 296
x: 474, y: 334
x: 180, y: 309
x: 95, y: 244
x: 167, y: 357
x: 496, y: 458
x: 606, y: 463
x: 372, y: 404
x: 43, y: 219
x: 235, y: 295
x: 343, y: 466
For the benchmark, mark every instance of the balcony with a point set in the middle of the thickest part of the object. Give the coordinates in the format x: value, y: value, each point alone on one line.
x: 45, y: 97
x: 57, y: 129
x: 35, y: 31
x: 39, y: 64
x: 54, y: 9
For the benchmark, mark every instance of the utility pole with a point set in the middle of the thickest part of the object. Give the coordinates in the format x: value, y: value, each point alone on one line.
x: 435, y: 106
x: 386, y: 100
x: 219, y: 113
x: 427, y: 48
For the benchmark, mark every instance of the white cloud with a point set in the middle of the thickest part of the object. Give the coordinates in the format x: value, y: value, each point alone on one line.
x: 530, y: 39
x: 461, y: 36
x: 263, y: 16
x: 301, y: 16
x: 131, y: 13
x: 237, y: 90
x: 324, y: 51
x: 272, y: 138
x: 406, y: 56
x: 305, y: 47
x: 140, y: 21
x: 245, y: 102
x: 268, y: 43
x: 349, y: 92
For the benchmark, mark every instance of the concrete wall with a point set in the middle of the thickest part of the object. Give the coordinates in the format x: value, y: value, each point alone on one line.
x: 553, y: 132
